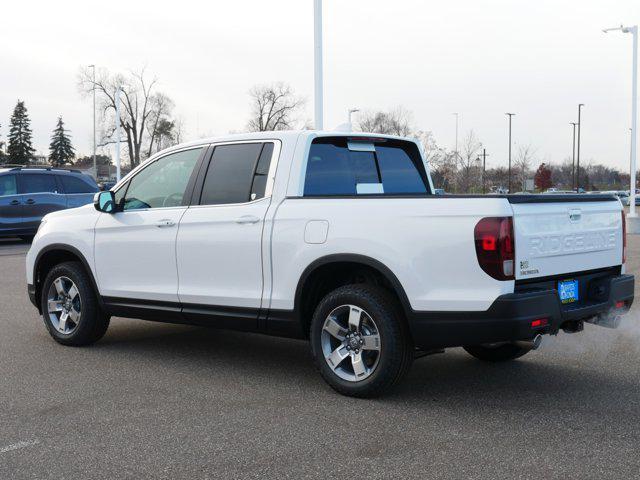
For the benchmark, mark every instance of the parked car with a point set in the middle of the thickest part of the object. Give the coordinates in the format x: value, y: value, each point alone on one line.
x: 27, y: 194
x: 627, y: 200
x: 336, y: 238
x: 106, y: 185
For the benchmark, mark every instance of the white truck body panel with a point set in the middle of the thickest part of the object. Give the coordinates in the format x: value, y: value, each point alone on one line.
x: 557, y: 238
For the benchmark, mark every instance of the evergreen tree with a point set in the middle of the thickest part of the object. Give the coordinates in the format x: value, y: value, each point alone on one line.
x: 20, y: 149
x: 60, y: 149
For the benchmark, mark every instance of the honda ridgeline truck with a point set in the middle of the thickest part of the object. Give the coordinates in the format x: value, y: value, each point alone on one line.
x: 333, y: 237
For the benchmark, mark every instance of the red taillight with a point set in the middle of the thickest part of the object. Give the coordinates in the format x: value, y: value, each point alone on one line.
x: 624, y: 237
x: 620, y: 304
x: 495, y: 246
x: 540, y: 322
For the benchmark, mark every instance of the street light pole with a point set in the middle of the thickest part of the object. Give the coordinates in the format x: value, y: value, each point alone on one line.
x: 95, y: 168
x: 484, y: 168
x: 456, y: 150
x: 352, y: 111
x: 509, y: 183
x: 117, y: 133
x: 633, y: 30
x: 580, y: 105
x: 573, y: 156
x: 317, y: 57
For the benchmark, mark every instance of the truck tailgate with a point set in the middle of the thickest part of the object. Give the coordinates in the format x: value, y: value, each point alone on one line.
x: 559, y: 235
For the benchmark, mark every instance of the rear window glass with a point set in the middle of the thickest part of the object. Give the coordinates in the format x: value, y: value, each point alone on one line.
x: 8, y: 185
x: 391, y: 167
x: 76, y: 185
x: 38, y: 183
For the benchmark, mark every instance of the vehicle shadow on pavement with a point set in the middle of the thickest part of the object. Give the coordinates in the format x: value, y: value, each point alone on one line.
x: 450, y: 378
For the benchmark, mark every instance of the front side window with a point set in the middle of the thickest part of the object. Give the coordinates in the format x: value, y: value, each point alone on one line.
x: 338, y: 167
x: 237, y: 173
x: 76, y: 185
x: 163, y: 183
x: 38, y: 183
x: 8, y: 185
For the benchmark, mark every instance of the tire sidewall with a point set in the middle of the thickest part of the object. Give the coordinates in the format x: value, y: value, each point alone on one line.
x: 89, y: 312
x: 384, y: 313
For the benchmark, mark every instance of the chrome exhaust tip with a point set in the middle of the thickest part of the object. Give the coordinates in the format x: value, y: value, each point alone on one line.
x: 533, y: 344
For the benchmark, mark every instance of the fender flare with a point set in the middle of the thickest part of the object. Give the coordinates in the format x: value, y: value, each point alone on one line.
x: 69, y: 249
x: 385, y: 271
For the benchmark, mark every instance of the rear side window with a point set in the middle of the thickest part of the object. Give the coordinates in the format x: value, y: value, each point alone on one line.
x: 8, y: 185
x: 76, y: 185
x: 38, y: 183
x: 390, y: 167
x: 237, y: 173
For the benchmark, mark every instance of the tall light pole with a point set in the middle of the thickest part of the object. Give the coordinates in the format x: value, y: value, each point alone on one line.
x: 484, y: 167
x: 634, y: 114
x: 352, y: 111
x: 573, y: 156
x: 456, y: 150
x: 95, y: 168
x: 509, y: 183
x: 580, y: 105
x: 317, y: 59
x: 117, y: 133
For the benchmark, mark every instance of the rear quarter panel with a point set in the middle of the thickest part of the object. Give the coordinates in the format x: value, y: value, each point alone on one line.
x: 427, y: 243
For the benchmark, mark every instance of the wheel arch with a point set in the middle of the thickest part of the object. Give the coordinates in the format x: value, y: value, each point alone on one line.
x: 55, y: 254
x: 360, y: 264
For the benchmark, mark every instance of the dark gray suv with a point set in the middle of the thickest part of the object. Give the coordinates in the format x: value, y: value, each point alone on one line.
x: 28, y: 193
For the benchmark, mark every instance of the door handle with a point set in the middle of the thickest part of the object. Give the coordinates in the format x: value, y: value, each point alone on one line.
x: 247, y: 219
x: 165, y: 222
x: 15, y: 202
x: 31, y: 201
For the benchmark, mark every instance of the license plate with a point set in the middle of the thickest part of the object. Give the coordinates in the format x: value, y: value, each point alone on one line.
x: 568, y: 291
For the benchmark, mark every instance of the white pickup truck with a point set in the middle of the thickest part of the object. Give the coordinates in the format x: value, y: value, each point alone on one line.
x: 333, y: 237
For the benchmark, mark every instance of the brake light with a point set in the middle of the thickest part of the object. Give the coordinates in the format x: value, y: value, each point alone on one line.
x: 624, y: 237
x: 495, y: 247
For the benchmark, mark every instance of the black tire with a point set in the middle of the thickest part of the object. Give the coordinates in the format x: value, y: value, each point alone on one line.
x: 396, y: 353
x: 92, y: 323
x: 500, y: 353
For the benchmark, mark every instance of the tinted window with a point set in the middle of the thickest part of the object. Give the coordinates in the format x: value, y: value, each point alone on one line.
x: 76, y: 185
x: 395, y: 167
x: 237, y: 173
x: 163, y: 183
x: 38, y: 183
x: 399, y: 173
x: 8, y: 185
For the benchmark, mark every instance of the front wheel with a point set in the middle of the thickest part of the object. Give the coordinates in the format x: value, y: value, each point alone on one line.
x: 359, y: 340
x: 496, y: 353
x: 70, y: 308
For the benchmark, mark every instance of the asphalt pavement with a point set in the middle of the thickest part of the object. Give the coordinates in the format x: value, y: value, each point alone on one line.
x: 162, y: 401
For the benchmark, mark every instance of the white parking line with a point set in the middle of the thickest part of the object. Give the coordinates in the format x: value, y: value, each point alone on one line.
x: 17, y: 446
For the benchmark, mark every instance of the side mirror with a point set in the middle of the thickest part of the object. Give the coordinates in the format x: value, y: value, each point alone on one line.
x: 105, y: 201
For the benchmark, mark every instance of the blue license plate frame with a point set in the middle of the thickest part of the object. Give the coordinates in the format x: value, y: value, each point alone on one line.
x: 569, y: 291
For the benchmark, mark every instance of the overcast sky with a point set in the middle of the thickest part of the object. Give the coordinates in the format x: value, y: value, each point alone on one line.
x: 538, y: 59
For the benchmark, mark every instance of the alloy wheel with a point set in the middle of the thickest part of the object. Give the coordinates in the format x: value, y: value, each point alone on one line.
x: 351, y: 343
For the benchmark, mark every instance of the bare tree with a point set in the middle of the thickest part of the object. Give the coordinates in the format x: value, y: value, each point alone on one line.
x: 469, y: 175
x: 140, y: 105
x: 273, y: 107
x: 524, y: 160
x: 396, y: 121
x: 161, y: 127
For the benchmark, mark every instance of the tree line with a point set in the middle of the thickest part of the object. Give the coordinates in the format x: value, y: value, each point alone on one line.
x: 148, y: 124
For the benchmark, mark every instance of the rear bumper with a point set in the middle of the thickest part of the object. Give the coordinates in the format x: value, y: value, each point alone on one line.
x: 510, y: 316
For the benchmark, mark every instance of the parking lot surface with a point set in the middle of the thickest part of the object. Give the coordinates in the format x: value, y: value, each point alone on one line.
x: 162, y: 401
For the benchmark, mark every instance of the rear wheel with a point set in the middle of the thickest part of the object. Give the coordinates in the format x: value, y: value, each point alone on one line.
x: 359, y: 341
x: 70, y: 308
x: 496, y: 353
